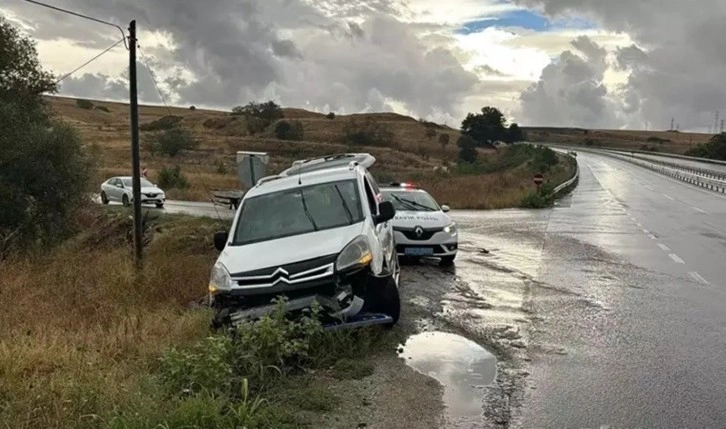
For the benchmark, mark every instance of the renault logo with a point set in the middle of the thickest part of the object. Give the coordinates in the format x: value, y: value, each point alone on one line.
x: 418, y: 231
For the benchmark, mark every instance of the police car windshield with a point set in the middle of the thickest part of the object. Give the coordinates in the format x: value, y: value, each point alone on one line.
x: 413, y: 201
x: 298, y: 211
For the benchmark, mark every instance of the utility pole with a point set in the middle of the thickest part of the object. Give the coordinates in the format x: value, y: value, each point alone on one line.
x: 722, y: 123
x: 134, y: 102
x: 135, y: 164
x: 715, y: 126
x: 673, y: 120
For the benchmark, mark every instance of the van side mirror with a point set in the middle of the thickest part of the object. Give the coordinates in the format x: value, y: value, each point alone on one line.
x: 220, y: 240
x: 445, y: 208
x: 386, y: 212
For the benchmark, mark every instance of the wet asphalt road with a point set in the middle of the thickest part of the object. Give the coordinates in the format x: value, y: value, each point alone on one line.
x: 621, y: 291
x: 608, y: 310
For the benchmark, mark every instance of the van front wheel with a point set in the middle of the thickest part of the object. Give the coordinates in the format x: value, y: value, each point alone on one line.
x: 385, y: 299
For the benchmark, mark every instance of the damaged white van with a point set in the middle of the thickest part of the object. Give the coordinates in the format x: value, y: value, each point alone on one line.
x: 318, y: 232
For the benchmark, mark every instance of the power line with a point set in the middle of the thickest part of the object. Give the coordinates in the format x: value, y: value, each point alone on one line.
x: 123, y: 35
x: 168, y: 109
x: 156, y: 85
x: 89, y: 61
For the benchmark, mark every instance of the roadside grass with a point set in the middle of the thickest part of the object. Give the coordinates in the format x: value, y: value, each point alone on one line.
x: 354, y: 369
x: 507, y: 186
x: 85, y: 343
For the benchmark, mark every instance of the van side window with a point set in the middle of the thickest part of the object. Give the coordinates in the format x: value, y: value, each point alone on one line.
x: 371, y: 198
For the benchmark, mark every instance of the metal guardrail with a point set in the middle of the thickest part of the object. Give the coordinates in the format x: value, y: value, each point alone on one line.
x: 709, y: 174
x: 703, y: 178
x: 568, y: 183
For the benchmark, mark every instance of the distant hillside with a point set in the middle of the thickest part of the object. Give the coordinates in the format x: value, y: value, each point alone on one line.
x: 657, y: 141
x: 105, y: 127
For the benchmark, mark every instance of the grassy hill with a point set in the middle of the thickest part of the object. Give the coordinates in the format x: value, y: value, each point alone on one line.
x: 656, y: 141
x: 408, y: 155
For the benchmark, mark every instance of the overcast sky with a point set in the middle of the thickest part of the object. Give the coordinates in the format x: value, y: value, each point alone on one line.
x: 588, y: 63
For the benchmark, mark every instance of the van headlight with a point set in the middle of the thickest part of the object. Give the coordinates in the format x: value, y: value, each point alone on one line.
x: 220, y: 280
x: 356, y: 254
x: 451, y: 229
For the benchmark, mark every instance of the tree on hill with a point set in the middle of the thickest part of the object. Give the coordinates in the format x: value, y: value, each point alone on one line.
x: 268, y: 111
x: 430, y: 133
x: 485, y: 127
x: 714, y: 149
x: 514, y: 134
x: 444, y: 140
x: 84, y: 104
x: 44, y: 170
x: 172, y: 142
x: 467, y: 149
x: 289, y: 130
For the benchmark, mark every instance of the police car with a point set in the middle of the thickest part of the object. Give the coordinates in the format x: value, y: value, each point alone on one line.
x: 421, y: 227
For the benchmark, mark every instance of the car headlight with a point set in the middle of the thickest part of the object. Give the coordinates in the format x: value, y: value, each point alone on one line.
x: 356, y: 254
x: 220, y: 280
x: 451, y: 229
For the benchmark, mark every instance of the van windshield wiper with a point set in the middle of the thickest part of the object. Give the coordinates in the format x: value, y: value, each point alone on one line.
x: 345, y: 206
x: 307, y: 213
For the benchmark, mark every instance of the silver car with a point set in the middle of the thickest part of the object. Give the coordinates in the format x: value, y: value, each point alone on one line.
x: 119, y: 189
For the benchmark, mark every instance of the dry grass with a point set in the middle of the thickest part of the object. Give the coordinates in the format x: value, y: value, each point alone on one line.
x: 80, y: 333
x: 660, y: 141
x: 411, y: 155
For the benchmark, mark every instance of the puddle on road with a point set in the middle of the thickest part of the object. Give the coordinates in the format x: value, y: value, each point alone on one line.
x: 462, y: 366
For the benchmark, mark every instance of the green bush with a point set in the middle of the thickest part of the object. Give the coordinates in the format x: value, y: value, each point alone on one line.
x: 330, y: 115
x: 367, y: 133
x: 222, y: 168
x: 208, y: 366
x: 542, y: 198
x: 268, y: 112
x: 289, y: 130
x: 44, y: 169
x: 255, y: 125
x: 84, y: 104
x: 172, y: 178
x: 714, y: 149
x: 161, y: 124
x: 467, y: 149
x: 171, y: 142
x: 543, y: 159
x: 103, y: 109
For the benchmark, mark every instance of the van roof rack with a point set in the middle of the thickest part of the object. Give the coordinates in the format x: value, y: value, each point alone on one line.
x: 329, y: 161
x: 268, y: 179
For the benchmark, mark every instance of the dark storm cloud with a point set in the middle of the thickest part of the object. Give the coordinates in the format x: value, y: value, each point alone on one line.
x: 354, y: 55
x: 679, y: 62
x: 97, y: 85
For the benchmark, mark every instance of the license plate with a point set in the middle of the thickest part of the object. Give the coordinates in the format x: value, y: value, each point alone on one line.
x: 419, y: 251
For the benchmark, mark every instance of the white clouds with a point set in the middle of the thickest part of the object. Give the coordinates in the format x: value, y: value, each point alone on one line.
x: 456, y: 12
x: 570, y: 91
x: 404, y: 55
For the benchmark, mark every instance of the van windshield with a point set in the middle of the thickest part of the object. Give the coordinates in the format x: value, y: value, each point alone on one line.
x: 298, y: 211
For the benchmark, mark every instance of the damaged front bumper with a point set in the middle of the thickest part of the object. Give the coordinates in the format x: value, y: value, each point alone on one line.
x: 341, y: 303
